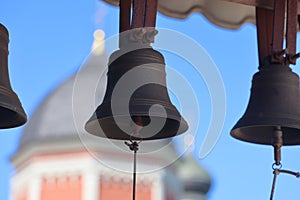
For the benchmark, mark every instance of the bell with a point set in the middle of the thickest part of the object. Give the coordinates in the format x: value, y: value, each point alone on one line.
x: 136, y: 104
x: 11, y: 111
x: 273, y: 113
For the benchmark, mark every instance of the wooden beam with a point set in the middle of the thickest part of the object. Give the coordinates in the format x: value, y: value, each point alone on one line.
x: 264, y: 23
x: 139, y: 13
x: 291, y: 30
x: 278, y: 26
x: 124, y: 17
x: 151, y: 12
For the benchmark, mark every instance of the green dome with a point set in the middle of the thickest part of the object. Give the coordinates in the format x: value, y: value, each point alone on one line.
x: 195, y: 178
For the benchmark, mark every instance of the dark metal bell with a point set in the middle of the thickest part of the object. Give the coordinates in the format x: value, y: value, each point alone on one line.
x: 274, y: 105
x: 11, y: 111
x: 136, y: 104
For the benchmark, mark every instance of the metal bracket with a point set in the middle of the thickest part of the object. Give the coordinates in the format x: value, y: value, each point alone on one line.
x: 144, y: 15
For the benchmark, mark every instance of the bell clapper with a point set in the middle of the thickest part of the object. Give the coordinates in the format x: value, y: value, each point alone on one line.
x: 277, y: 144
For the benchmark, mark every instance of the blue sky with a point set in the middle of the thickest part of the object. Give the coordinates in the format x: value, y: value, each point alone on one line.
x: 50, y: 39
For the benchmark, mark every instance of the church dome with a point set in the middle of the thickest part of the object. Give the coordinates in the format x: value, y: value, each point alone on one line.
x: 195, y: 178
x: 53, y: 119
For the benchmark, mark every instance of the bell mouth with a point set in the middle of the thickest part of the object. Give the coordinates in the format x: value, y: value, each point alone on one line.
x: 117, y: 127
x: 12, y: 113
x: 11, y: 118
x: 259, y: 129
x: 153, y: 123
x: 264, y: 134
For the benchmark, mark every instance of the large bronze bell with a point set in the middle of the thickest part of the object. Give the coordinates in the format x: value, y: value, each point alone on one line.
x: 11, y: 111
x: 136, y: 104
x: 273, y: 113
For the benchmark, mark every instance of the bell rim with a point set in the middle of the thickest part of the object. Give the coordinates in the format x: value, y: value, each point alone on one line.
x: 10, y: 102
x: 237, y: 133
x: 182, y: 128
x: 19, y: 116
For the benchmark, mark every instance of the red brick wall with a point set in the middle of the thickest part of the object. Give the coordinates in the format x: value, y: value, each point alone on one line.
x: 113, y: 190
x: 62, y: 189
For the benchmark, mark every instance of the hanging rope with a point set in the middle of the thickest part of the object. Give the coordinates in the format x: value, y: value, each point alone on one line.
x: 133, y: 146
x: 276, y: 172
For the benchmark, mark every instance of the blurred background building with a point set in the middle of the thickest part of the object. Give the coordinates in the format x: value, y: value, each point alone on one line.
x: 57, y: 160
